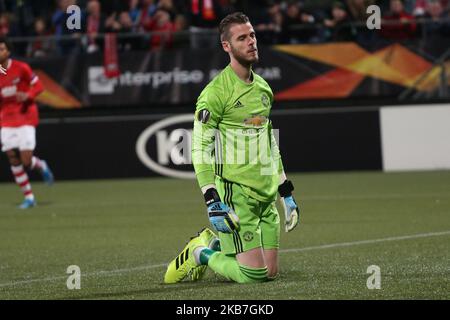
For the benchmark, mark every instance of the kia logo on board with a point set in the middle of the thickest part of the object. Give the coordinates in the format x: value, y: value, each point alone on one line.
x: 173, y: 147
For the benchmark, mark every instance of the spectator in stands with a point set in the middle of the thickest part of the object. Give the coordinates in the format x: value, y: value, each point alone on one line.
x: 112, y: 23
x: 298, y: 25
x: 8, y: 26
x: 127, y: 27
x: 434, y: 24
x: 267, y: 21
x: 4, y: 25
x: 118, y: 22
x: 339, y: 24
x: 398, y: 24
x: 358, y: 13
x: 162, y: 28
x: 168, y: 6
x: 420, y: 6
x: 69, y: 41
x: 148, y: 9
x: 180, y: 22
x: 358, y: 9
x: 60, y: 16
x: 134, y: 11
x: 203, y: 17
x: 408, y: 5
x: 125, y: 21
x: 177, y: 19
x: 40, y: 47
x: 275, y: 19
x: 95, y: 24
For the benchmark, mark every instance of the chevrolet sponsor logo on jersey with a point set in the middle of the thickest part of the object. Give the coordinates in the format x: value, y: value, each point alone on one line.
x: 256, y: 121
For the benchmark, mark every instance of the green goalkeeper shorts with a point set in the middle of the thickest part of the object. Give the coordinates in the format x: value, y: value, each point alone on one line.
x: 259, y: 221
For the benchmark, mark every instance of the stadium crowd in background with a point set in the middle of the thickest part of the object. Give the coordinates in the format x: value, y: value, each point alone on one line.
x: 153, y: 23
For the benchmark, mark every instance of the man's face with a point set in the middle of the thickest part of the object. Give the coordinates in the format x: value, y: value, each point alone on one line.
x: 396, y: 6
x: 94, y: 8
x: 293, y: 11
x: 242, y: 44
x: 4, y: 53
x: 339, y: 14
x: 435, y: 9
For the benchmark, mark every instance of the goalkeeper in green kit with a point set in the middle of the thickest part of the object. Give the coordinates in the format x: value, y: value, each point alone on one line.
x: 239, y: 170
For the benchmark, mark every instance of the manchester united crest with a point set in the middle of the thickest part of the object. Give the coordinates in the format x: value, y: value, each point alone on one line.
x: 265, y: 100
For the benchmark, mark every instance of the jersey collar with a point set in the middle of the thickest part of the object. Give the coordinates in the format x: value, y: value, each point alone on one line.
x: 240, y: 80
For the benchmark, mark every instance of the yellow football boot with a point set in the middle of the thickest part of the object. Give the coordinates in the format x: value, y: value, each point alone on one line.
x: 184, y: 264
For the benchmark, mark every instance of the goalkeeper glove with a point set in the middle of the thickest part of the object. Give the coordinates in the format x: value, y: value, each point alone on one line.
x: 221, y: 216
x: 291, y: 210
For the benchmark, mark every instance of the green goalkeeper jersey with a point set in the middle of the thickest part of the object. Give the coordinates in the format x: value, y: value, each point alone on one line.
x: 233, y: 137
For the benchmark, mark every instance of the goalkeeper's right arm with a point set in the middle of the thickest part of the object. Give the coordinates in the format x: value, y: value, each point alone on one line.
x: 208, y: 115
x: 202, y: 151
x: 221, y: 217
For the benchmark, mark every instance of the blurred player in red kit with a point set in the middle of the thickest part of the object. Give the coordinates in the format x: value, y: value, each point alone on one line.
x: 19, y: 117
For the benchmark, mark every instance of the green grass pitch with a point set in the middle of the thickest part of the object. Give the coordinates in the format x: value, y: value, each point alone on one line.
x: 122, y: 233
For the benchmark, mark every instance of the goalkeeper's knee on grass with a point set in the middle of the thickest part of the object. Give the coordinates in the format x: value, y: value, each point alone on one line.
x: 252, y: 275
x: 228, y: 267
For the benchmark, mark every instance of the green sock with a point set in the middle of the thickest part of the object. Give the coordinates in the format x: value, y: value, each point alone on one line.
x: 228, y: 267
x: 205, y: 255
x: 215, y: 245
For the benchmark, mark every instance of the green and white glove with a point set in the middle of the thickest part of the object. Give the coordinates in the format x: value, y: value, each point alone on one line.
x: 291, y: 209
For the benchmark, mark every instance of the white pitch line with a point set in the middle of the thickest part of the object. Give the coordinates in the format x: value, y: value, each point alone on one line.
x: 356, y: 243
x: 96, y: 273
x: 326, y: 246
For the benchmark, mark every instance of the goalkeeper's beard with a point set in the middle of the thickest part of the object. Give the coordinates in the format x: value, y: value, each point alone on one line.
x: 241, y: 59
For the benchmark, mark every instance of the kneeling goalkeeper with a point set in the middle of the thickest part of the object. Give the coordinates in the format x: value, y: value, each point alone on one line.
x: 239, y: 170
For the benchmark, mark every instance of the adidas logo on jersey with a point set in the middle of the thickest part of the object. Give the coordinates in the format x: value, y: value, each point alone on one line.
x: 238, y: 104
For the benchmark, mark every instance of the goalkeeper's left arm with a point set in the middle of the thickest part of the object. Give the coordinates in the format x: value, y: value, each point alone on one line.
x: 285, y: 188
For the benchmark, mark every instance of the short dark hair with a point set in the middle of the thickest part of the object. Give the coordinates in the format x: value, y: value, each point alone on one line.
x: 6, y: 42
x: 228, y: 21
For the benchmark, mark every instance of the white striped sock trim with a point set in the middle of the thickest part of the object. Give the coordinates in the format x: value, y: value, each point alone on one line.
x: 196, y: 254
x: 17, y: 169
x: 22, y: 178
x: 30, y: 196
x: 26, y: 188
